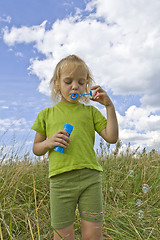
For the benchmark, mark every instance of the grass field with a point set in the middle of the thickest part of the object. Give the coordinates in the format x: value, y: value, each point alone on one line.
x: 131, y: 190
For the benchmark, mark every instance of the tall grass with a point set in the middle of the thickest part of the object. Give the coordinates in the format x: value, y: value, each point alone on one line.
x: 131, y: 209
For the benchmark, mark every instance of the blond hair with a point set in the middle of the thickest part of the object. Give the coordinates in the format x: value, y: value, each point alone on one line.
x: 54, y: 83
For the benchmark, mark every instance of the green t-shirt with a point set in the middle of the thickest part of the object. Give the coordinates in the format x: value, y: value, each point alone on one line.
x: 80, y: 153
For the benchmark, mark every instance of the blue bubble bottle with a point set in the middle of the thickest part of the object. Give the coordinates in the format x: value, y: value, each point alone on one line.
x: 68, y: 128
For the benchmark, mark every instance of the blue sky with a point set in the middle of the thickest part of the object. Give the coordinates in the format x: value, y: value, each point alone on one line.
x: 119, y: 40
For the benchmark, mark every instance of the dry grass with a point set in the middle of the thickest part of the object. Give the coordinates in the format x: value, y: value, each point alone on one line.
x: 24, y: 197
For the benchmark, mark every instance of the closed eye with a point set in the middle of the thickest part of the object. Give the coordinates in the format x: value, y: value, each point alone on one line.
x: 81, y: 83
x: 68, y: 82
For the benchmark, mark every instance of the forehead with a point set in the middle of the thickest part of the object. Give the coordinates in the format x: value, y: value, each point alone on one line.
x: 70, y: 69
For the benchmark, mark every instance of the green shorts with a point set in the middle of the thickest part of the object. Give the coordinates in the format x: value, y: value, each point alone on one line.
x: 82, y: 187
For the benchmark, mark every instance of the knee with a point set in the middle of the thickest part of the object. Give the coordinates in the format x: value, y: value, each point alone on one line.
x: 88, y: 235
x: 64, y: 233
x: 91, y: 230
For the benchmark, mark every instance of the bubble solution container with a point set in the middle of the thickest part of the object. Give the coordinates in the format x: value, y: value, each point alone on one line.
x: 68, y: 128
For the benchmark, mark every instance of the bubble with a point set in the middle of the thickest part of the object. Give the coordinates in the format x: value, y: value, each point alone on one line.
x: 138, y: 202
x: 140, y: 214
x: 111, y: 189
x: 145, y: 188
x: 131, y: 173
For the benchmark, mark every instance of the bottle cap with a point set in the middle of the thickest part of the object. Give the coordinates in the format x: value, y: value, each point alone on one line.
x: 67, y: 127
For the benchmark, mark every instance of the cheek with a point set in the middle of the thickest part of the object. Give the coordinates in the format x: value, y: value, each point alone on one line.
x: 66, y: 88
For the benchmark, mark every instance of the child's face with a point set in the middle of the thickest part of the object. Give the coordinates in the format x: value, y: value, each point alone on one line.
x: 73, y: 80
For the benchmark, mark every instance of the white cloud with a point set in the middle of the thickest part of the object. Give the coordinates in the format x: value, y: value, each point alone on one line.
x: 11, y: 124
x: 140, y: 126
x: 140, y: 119
x: 136, y: 54
x: 5, y: 18
x: 120, y: 41
x: 19, y: 54
x: 123, y: 51
x: 4, y: 107
x: 24, y: 34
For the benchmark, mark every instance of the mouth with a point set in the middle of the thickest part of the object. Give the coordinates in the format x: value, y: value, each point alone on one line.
x: 74, y: 95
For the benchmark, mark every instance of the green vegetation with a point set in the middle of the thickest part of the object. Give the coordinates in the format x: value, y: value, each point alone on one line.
x: 131, y: 209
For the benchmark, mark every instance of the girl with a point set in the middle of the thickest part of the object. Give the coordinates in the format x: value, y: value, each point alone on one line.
x: 75, y: 175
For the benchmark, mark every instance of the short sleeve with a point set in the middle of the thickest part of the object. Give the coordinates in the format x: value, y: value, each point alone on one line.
x: 40, y: 123
x: 99, y: 120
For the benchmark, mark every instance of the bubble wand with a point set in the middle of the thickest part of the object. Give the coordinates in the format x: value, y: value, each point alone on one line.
x: 75, y: 95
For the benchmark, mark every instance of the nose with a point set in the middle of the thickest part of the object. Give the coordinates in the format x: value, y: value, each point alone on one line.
x: 74, y: 85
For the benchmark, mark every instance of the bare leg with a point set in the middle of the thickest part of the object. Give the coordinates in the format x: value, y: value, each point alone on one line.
x: 65, y: 233
x: 91, y: 230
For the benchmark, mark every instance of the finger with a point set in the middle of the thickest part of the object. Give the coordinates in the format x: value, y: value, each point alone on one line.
x: 61, y: 141
x: 97, y: 94
x: 62, y: 136
x: 94, y: 87
x: 94, y: 92
x: 100, y: 96
x: 63, y: 132
x: 99, y: 89
x: 64, y: 142
x: 97, y: 97
x: 60, y: 144
x: 66, y: 133
x: 92, y: 99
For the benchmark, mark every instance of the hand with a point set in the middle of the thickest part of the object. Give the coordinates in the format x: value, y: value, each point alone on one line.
x: 101, y: 96
x: 60, y: 138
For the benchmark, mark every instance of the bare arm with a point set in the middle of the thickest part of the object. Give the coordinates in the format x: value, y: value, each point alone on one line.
x: 39, y: 145
x: 42, y: 145
x: 110, y: 133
